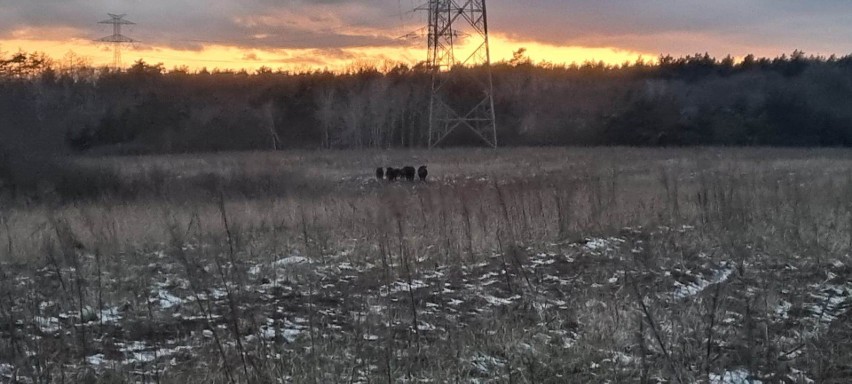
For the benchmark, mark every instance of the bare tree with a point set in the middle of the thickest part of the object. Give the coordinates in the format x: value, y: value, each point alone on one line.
x: 325, y: 114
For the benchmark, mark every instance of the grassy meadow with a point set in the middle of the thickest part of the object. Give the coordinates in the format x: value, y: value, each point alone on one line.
x: 525, y: 265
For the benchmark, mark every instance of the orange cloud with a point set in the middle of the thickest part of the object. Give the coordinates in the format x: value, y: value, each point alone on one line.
x: 502, y: 48
x: 234, y: 57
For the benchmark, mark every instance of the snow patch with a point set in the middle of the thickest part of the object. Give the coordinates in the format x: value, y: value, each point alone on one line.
x: 542, y: 259
x: 486, y: 364
x: 255, y: 270
x: 404, y: 286
x: 831, y: 302
x: 6, y: 370
x: 267, y: 333
x: 168, y: 300
x: 598, y: 244
x: 498, y: 301
x: 290, y: 334
x: 138, y: 352
x: 291, y: 260
x: 218, y: 293
x: 95, y: 360
x: 739, y: 376
x: 799, y: 376
x: 110, y: 315
x: 783, y: 309
x: 48, y: 325
x: 684, y: 291
x: 424, y: 326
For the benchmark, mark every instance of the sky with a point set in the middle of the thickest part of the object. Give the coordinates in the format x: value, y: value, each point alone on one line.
x: 340, y: 34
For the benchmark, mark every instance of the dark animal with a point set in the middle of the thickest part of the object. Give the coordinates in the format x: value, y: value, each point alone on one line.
x: 392, y: 173
x: 408, y: 172
x: 380, y: 173
x: 422, y: 172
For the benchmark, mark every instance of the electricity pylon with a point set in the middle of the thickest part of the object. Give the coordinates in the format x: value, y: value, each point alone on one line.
x: 116, y: 39
x: 462, y: 94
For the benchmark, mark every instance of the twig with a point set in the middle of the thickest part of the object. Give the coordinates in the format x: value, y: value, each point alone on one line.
x: 235, y: 328
x: 712, y: 315
x: 407, y: 268
x: 656, y: 333
x: 192, y: 276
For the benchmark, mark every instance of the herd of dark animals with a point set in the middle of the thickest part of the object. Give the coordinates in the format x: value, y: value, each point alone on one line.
x: 407, y: 173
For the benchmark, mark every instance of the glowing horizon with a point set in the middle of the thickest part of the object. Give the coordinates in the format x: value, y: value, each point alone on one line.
x: 341, y: 34
x: 228, y: 57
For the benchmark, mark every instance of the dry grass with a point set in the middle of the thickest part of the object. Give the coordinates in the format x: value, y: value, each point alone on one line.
x: 518, y: 265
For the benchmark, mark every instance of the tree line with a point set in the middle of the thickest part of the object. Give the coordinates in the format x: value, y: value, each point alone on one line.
x: 67, y: 104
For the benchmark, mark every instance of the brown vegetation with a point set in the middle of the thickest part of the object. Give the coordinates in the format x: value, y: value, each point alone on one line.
x: 523, y: 265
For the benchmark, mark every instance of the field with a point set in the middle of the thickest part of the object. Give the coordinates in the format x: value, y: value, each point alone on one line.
x: 528, y: 265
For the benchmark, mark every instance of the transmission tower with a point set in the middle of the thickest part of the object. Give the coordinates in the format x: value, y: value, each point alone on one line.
x: 116, y: 39
x: 462, y: 95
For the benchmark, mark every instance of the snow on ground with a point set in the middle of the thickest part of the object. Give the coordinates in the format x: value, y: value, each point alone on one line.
x: 498, y: 301
x: 684, y: 291
x: 599, y: 245
x: 95, y: 360
x: 140, y: 353
x: 110, y: 315
x: 6, y: 371
x: 404, y: 286
x: 47, y: 325
x: 486, y: 364
x: 782, y: 310
x: 290, y: 333
x: 798, y: 376
x: 563, y: 279
x: 739, y: 376
x: 832, y: 301
x: 166, y: 299
x: 291, y: 260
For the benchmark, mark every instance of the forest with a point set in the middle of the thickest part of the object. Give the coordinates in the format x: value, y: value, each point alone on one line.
x: 60, y: 105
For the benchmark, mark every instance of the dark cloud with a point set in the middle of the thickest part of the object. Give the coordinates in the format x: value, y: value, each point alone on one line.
x: 655, y: 26
x: 682, y: 26
x: 185, y: 24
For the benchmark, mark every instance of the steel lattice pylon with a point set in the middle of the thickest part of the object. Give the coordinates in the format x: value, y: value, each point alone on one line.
x: 453, y: 102
x: 116, y: 39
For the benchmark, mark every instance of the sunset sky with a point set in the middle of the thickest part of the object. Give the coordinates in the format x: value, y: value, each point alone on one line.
x: 334, y: 34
